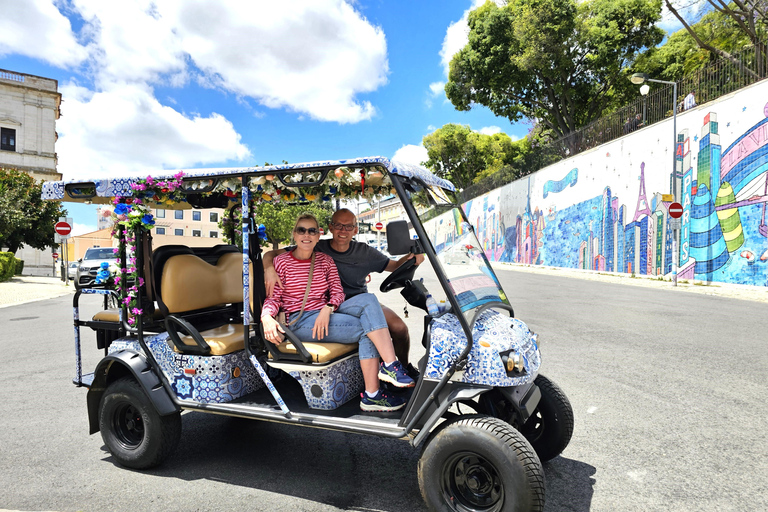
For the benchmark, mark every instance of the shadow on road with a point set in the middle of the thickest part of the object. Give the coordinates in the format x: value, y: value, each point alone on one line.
x: 348, y: 471
x: 570, y: 485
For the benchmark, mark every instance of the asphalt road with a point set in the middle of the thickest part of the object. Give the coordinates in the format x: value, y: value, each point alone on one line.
x: 668, y: 391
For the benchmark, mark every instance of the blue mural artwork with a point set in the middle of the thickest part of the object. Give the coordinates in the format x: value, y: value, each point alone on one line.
x: 723, y: 234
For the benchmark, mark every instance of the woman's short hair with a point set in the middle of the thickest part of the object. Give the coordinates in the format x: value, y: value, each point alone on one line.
x: 306, y: 216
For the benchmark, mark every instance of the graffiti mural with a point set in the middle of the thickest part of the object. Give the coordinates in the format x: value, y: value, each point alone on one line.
x: 606, y: 209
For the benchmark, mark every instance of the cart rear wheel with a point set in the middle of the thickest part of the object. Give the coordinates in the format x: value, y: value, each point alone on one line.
x: 135, y: 434
x: 478, y: 463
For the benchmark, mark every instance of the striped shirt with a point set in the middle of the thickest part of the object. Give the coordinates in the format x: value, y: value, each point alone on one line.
x: 294, y: 273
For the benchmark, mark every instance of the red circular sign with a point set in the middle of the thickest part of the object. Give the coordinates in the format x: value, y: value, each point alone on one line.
x: 55, y: 255
x: 675, y: 210
x: 62, y: 228
x: 379, y: 226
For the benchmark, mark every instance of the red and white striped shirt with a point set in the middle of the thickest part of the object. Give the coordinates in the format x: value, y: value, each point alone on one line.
x: 294, y: 273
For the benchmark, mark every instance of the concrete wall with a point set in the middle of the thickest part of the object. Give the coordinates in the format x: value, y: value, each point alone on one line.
x: 603, y: 209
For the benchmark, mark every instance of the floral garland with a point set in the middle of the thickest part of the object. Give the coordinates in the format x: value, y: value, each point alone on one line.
x: 134, y: 215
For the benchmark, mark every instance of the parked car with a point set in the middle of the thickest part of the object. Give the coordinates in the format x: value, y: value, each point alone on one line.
x: 90, y: 264
x: 72, y: 269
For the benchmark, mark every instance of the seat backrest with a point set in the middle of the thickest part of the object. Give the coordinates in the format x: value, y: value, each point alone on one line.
x: 188, y: 283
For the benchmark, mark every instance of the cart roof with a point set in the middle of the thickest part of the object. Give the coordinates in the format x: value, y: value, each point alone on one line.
x: 121, y: 186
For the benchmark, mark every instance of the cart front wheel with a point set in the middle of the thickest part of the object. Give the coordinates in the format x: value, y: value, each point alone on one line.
x: 550, y: 427
x: 478, y: 463
x: 135, y: 434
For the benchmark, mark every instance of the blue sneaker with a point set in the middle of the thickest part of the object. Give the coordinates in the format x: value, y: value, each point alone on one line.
x: 396, y: 375
x: 382, y: 402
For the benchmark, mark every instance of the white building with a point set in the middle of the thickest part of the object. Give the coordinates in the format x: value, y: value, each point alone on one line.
x: 29, y: 108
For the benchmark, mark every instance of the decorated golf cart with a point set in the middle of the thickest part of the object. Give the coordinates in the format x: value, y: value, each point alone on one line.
x: 186, y: 336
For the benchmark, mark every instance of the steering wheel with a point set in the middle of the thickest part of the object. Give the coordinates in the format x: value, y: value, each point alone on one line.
x: 400, y: 275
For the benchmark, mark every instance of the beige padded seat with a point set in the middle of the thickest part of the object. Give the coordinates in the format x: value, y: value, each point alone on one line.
x: 223, y: 340
x: 320, y: 352
x: 113, y: 315
x: 189, y: 283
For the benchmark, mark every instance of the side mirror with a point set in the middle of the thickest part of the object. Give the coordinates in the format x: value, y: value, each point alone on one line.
x: 399, y: 238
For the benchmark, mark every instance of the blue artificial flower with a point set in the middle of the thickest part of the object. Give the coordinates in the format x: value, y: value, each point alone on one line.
x: 262, y: 231
x: 147, y: 219
x: 332, y: 190
x: 122, y: 209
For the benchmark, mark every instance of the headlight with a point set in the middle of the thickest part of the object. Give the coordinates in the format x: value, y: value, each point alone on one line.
x: 515, y: 363
x: 84, y: 269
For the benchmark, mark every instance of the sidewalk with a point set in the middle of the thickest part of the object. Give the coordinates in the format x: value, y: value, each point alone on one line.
x: 23, y: 289
x: 733, y: 291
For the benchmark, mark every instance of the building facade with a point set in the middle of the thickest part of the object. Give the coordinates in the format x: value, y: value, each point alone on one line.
x: 29, y: 108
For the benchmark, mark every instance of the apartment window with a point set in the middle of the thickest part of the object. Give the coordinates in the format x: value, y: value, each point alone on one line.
x: 7, y: 139
x: 213, y: 217
x: 160, y: 213
x: 196, y: 216
x: 196, y: 232
x: 160, y: 231
x: 178, y: 214
x: 178, y: 232
x: 213, y: 234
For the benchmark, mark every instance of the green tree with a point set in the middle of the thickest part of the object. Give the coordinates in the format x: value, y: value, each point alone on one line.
x: 25, y: 219
x: 741, y: 18
x: 560, y: 62
x: 464, y: 157
x: 278, y: 220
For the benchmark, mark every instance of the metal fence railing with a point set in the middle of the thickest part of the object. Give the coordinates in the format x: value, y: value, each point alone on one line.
x: 717, y: 79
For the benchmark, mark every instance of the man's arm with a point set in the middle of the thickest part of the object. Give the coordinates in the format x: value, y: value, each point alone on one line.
x: 270, y: 276
x: 394, y: 264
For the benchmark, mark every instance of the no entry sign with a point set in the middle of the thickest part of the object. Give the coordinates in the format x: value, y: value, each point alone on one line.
x: 62, y: 228
x: 379, y: 226
x: 675, y: 210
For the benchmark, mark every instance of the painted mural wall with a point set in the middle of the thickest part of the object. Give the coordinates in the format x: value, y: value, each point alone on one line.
x: 603, y: 209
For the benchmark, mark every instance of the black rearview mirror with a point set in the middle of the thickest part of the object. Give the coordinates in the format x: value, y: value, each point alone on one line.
x: 399, y: 238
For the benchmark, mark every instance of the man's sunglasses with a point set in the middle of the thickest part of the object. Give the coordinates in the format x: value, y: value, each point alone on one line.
x: 303, y: 231
x: 344, y: 227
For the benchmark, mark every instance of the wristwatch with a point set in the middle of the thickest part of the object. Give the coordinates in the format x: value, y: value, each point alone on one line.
x: 329, y: 305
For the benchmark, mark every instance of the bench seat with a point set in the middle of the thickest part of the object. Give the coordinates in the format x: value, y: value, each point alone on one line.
x: 320, y: 352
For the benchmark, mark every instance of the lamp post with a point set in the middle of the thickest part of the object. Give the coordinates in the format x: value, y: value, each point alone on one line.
x: 644, y: 93
x: 640, y: 79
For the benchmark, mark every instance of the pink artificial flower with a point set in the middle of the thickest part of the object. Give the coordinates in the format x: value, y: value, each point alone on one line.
x: 150, y: 181
x: 136, y: 311
x: 179, y: 175
x: 115, y: 250
x: 126, y: 300
x: 123, y: 270
x: 141, y: 281
x: 131, y: 320
x: 117, y: 279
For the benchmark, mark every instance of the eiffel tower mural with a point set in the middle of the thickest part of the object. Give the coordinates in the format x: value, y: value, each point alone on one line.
x: 642, y: 201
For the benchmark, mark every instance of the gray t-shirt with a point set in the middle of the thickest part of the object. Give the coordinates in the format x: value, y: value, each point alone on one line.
x: 354, y: 265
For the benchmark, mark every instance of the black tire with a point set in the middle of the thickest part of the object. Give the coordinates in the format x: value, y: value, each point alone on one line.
x: 135, y: 434
x: 480, y: 463
x: 550, y: 427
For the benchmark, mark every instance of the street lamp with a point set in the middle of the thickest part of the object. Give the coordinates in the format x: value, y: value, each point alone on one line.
x: 644, y: 93
x: 640, y: 79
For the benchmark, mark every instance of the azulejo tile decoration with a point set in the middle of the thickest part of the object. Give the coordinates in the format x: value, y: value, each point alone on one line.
x: 216, y: 379
x: 493, y: 333
x: 333, y: 385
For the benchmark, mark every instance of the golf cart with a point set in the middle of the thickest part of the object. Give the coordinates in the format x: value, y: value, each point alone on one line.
x: 187, y: 335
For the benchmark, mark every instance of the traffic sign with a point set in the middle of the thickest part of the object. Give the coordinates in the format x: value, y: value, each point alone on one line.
x: 675, y: 210
x: 55, y: 255
x: 62, y: 228
x: 675, y: 224
x: 379, y: 226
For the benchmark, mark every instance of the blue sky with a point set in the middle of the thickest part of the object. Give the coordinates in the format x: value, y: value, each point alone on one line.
x: 173, y: 84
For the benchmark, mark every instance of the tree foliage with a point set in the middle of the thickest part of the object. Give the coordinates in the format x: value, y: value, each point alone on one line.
x: 727, y: 29
x: 464, y: 157
x: 25, y: 219
x: 278, y: 220
x: 560, y: 62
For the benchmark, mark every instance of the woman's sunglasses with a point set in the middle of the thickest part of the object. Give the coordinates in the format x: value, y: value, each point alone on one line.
x: 303, y: 231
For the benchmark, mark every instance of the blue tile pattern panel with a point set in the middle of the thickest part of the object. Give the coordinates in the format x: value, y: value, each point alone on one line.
x: 492, y: 333
x: 331, y: 386
x: 216, y: 379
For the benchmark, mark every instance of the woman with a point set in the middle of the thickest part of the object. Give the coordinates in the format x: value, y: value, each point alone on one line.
x: 328, y: 317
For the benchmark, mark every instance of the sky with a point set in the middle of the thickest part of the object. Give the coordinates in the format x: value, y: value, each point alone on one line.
x: 179, y: 84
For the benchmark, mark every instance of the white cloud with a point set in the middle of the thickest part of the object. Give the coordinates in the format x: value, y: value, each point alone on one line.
x: 437, y: 88
x: 490, y: 130
x: 309, y: 57
x: 37, y: 29
x: 81, y: 229
x: 456, y: 36
x: 690, y: 11
x: 411, y: 154
x: 125, y: 130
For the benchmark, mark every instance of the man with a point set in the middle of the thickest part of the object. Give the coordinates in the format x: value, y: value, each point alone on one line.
x: 689, y: 101
x: 354, y: 261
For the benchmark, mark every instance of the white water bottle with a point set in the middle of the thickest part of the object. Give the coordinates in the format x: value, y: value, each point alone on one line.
x: 432, y: 305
